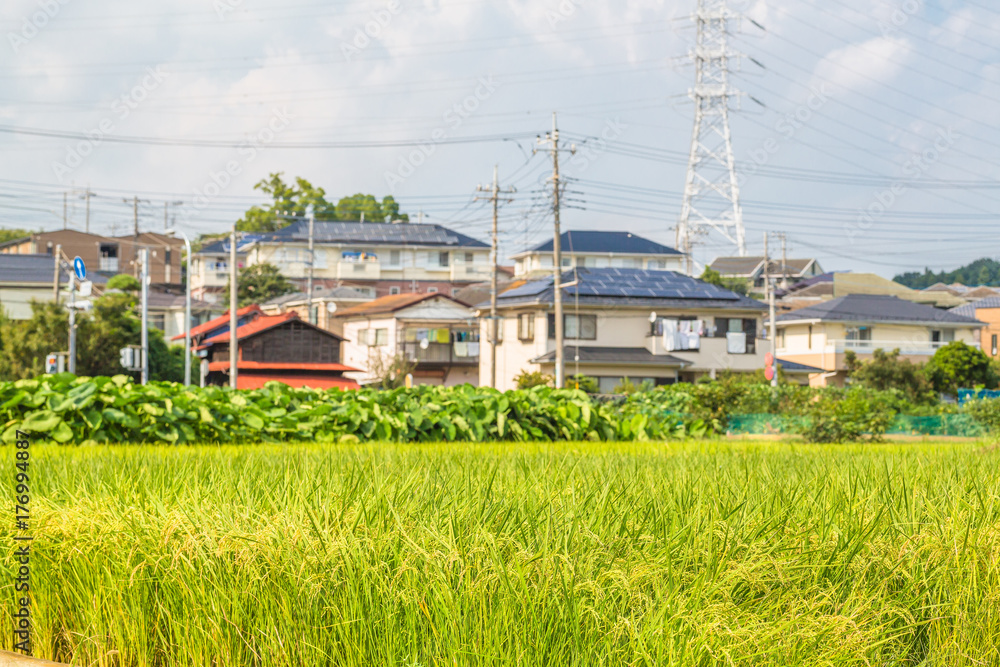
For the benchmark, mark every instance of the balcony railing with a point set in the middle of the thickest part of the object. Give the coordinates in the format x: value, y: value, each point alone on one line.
x: 470, y: 272
x: 438, y: 353
x: 359, y: 270
x: 109, y: 264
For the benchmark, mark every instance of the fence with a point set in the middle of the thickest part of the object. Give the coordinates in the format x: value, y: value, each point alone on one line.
x: 936, y: 425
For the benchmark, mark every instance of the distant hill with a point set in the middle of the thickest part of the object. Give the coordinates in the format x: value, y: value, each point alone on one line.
x: 980, y: 272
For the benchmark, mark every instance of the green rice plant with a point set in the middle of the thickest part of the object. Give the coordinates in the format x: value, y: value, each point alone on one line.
x: 695, y: 553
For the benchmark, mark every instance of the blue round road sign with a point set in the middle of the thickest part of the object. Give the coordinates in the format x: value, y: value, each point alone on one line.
x: 80, y: 268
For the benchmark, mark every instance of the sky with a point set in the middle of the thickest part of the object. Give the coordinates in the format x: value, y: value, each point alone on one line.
x: 866, y: 132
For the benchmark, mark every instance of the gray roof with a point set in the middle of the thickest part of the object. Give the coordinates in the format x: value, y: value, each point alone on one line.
x: 795, y: 367
x: 165, y: 301
x: 876, y: 308
x: 969, y: 309
x: 28, y: 269
x: 374, y: 233
x: 605, y: 242
x: 221, y: 247
x: 630, y: 287
x: 626, y: 356
x: 745, y: 266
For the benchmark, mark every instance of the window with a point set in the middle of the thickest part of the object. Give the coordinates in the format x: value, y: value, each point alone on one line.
x: 656, y: 264
x: 394, y: 291
x: 158, y: 321
x: 862, y: 333
x: 943, y: 336
x: 810, y: 336
x: 167, y: 255
x: 395, y: 258
x: 526, y: 327
x: 469, y: 258
x: 994, y: 345
x: 109, y: 258
x: 575, y: 327
x: 679, y: 333
x: 381, y: 337
x: 432, y: 290
x: 373, y: 337
x: 566, y: 261
x: 781, y: 338
x: 724, y: 326
x: 444, y: 259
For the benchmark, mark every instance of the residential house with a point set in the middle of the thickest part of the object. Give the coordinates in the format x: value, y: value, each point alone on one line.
x: 660, y: 326
x: 987, y: 311
x: 752, y: 269
x: 436, y: 332
x: 108, y: 254
x: 325, y: 303
x: 379, y: 259
x: 279, y: 348
x: 598, y: 249
x: 219, y: 325
x: 821, y: 334
x: 167, y: 311
x: 209, y: 272
x: 27, y: 278
x: 829, y: 286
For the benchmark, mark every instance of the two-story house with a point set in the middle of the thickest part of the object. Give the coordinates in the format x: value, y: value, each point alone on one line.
x: 210, y: 266
x: 597, y: 249
x: 753, y: 269
x: 820, y: 335
x: 660, y: 326
x: 382, y: 259
x: 110, y: 255
x: 435, y: 332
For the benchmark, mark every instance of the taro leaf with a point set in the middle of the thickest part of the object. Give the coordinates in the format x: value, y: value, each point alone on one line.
x: 40, y: 421
x: 62, y: 433
x: 254, y: 421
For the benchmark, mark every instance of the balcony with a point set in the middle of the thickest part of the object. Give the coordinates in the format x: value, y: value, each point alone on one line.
x: 359, y: 270
x: 906, y: 347
x: 439, y: 353
x: 470, y: 272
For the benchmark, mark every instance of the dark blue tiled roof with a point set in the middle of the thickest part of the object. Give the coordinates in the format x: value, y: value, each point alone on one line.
x: 875, y: 308
x: 375, y: 233
x: 606, y: 242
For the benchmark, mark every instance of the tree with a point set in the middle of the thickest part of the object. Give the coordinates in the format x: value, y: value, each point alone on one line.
x: 959, y: 366
x: 887, y: 371
x: 124, y: 282
x: 980, y: 272
x: 259, y: 283
x: 529, y: 379
x: 11, y: 234
x: 292, y: 200
x: 584, y: 383
x: 713, y: 277
x: 24, y: 344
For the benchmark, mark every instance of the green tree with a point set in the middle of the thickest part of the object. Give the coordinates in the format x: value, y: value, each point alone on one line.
x: 124, y: 282
x: 259, y: 283
x: 351, y: 208
x: 959, y: 366
x: 11, y: 234
x: 529, y: 379
x: 737, y: 285
x: 24, y: 344
x: 887, y: 371
x: 584, y: 383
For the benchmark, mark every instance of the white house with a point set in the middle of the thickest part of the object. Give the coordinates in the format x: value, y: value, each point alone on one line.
x: 596, y: 249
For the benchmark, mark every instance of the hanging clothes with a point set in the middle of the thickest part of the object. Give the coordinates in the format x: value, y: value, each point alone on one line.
x: 423, y: 334
x: 670, y: 332
x: 461, y: 349
x: 443, y: 336
x: 473, y: 349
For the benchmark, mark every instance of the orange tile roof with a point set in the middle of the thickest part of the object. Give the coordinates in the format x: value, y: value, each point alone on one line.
x: 262, y: 323
x: 220, y: 321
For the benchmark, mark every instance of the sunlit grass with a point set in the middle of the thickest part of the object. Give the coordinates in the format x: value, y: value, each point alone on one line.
x: 646, y: 554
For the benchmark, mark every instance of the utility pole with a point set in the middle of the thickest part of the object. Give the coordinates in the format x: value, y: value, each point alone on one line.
x: 784, y: 260
x: 72, y: 324
x: 711, y: 191
x: 86, y: 196
x: 55, y: 278
x: 312, y: 263
x: 495, y: 269
x: 144, y: 283
x: 233, y: 316
x: 166, y: 220
x: 552, y: 139
x: 65, y: 216
x: 771, y: 308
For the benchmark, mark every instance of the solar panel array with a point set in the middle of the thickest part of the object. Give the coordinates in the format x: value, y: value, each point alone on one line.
x: 355, y: 232
x: 646, y: 284
x: 533, y: 288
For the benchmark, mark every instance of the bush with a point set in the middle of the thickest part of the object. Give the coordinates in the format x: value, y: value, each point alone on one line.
x: 530, y: 379
x: 957, y: 365
x: 848, y: 416
x: 584, y: 383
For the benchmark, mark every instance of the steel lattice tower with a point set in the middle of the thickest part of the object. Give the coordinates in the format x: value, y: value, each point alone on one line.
x: 711, y: 192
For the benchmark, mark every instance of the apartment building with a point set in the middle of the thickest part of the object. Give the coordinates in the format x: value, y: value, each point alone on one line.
x: 596, y: 249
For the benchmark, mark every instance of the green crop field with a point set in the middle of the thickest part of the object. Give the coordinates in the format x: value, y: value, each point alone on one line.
x: 716, y: 553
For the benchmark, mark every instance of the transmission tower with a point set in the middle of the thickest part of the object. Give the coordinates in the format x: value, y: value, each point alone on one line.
x: 711, y: 192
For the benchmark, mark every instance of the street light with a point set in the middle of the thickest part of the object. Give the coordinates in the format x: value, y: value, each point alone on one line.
x: 187, y: 306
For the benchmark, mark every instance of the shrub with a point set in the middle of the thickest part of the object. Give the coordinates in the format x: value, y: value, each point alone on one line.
x: 957, y: 365
x: 529, y: 379
x: 584, y: 383
x: 848, y: 416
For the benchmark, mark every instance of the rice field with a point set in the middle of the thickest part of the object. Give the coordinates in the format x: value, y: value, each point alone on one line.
x: 717, y: 553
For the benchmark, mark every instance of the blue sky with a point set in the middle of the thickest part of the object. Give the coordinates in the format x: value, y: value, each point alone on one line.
x: 867, y: 134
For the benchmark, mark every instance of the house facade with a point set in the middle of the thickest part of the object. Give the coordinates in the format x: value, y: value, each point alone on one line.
x: 110, y: 255
x: 210, y: 267
x: 987, y: 311
x: 325, y: 305
x: 437, y: 333
x: 753, y: 269
x: 596, y: 249
x: 821, y: 335
x: 657, y: 326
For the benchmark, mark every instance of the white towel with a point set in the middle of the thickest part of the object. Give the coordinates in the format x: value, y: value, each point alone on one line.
x: 461, y: 349
x: 736, y: 343
x: 473, y: 349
